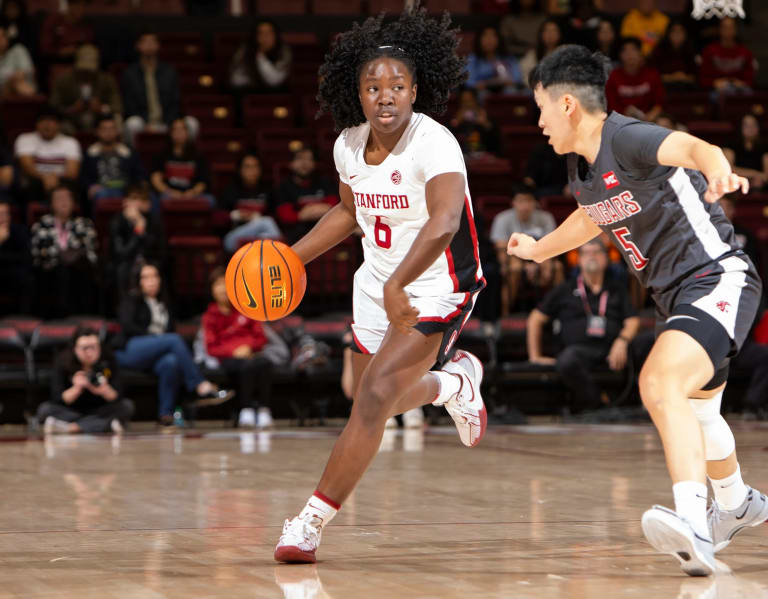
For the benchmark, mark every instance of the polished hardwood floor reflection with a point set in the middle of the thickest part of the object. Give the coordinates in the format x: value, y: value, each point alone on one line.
x: 539, y: 511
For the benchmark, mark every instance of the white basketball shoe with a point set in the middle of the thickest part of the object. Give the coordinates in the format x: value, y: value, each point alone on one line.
x: 466, y: 407
x: 298, y: 543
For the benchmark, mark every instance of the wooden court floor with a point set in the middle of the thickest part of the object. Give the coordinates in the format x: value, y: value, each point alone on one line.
x: 541, y: 511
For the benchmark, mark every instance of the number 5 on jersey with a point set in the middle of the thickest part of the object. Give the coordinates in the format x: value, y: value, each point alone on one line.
x: 382, y: 233
x: 635, y: 256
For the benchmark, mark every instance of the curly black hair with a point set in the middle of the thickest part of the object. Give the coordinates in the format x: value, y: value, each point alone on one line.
x: 425, y: 45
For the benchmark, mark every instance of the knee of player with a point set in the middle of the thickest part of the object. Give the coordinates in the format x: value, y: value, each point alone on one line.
x: 657, y: 387
x: 373, y: 402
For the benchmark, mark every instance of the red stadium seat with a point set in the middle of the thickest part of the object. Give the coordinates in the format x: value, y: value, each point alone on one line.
x: 149, y: 144
x: 490, y: 177
x: 223, y: 145
x: 183, y: 46
x: 278, y: 145
x: 490, y: 206
x: 309, y: 110
x: 326, y: 138
x: 689, y: 106
x: 282, y: 170
x: 336, y: 7
x: 719, y: 133
x: 223, y: 174
x: 304, y: 78
x: 733, y: 108
x: 103, y: 212
x: 202, y: 81
x: 281, y: 7
x: 455, y: 7
x: 20, y: 114
x: 269, y: 110
x: 559, y: 206
x: 24, y: 325
x: 390, y: 6
x: 511, y: 109
x: 186, y: 217
x: 225, y: 44
x: 213, y: 110
x: 194, y: 258
x: 517, y: 141
x: 161, y: 7
x: 330, y: 276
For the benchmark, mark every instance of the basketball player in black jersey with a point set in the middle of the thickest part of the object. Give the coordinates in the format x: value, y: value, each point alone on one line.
x: 654, y: 191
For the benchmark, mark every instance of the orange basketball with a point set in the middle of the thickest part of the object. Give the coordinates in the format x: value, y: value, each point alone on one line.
x: 265, y: 280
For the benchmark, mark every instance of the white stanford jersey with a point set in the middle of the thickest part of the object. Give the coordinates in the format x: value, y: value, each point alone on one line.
x: 391, y: 207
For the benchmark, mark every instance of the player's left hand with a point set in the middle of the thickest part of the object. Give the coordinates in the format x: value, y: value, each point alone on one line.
x: 617, y: 357
x: 400, y: 313
x: 720, y: 185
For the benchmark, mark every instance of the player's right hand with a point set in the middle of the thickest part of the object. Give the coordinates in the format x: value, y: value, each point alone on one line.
x: 720, y: 185
x: 521, y: 245
x: 400, y: 313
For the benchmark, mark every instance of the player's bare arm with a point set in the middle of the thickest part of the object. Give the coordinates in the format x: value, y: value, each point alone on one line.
x: 445, y: 203
x: 536, y: 321
x: 573, y: 232
x: 334, y: 227
x: 687, y: 151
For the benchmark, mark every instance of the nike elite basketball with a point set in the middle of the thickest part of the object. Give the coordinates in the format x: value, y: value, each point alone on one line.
x: 265, y: 280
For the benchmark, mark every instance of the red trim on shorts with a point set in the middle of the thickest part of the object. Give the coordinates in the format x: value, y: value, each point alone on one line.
x: 331, y: 502
x: 452, y: 269
x: 359, y: 345
x: 452, y: 315
x: 473, y: 234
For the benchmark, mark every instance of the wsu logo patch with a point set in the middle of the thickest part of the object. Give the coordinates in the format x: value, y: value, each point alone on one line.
x: 396, y: 177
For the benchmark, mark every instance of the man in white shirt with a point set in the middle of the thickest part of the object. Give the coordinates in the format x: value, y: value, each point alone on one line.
x: 46, y: 156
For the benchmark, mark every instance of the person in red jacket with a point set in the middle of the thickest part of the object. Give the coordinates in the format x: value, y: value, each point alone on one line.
x: 304, y: 197
x: 634, y: 89
x: 727, y: 65
x: 236, y: 342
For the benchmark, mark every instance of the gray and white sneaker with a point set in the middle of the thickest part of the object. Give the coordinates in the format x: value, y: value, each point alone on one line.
x: 667, y: 532
x: 726, y: 524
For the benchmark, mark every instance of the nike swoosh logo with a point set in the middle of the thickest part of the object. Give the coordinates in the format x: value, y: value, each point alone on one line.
x: 251, y: 302
x: 678, y: 316
x: 702, y: 274
x: 744, y: 513
x: 352, y: 177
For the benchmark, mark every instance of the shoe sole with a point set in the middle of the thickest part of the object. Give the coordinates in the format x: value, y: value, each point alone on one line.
x: 289, y: 554
x: 723, y: 544
x: 483, y: 415
x: 214, y: 401
x: 667, y: 534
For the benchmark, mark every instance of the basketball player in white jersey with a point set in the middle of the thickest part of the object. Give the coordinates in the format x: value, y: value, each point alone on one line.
x: 404, y: 183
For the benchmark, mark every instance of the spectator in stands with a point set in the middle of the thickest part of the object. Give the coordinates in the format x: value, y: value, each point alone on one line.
x: 607, y: 42
x: 109, y: 166
x: 15, y: 263
x: 64, y: 256
x: 17, y: 73
x: 303, y: 198
x: 549, y: 37
x: 519, y: 28
x: 490, y: 67
x: 64, y: 32
x: 582, y: 23
x: 15, y: 20
x: 597, y: 324
x: 645, y: 23
x: 85, y: 391
x: 181, y: 171
x: 474, y: 130
x: 236, y: 342
x: 749, y: 154
x: 46, y: 156
x: 248, y: 201
x: 547, y: 171
x: 523, y: 217
x: 148, y: 343
x: 727, y: 66
x: 675, y: 58
x: 135, y: 234
x: 263, y: 62
x: 633, y: 88
x: 85, y: 93
x: 151, y: 96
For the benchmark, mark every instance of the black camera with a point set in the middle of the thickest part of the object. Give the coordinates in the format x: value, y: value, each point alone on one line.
x: 98, y: 376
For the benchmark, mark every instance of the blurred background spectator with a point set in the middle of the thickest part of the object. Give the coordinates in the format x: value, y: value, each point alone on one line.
x: 136, y: 235
x: 64, y: 255
x: 62, y: 33
x: 519, y: 28
x: 674, y: 57
x: 85, y: 390
x: 549, y: 37
x: 236, y: 344
x: 474, y: 130
x: 607, y: 41
x: 181, y: 171
x: 523, y: 217
x: 109, y: 166
x: 46, y: 157
x: 85, y: 93
x: 582, y: 22
x: 597, y: 324
x: 727, y: 65
x: 17, y: 72
x: 490, y: 67
x: 15, y: 264
x: 15, y: 21
x: 147, y: 342
x: 748, y: 155
x: 248, y: 200
x: 645, y: 23
x: 304, y: 197
x: 634, y: 89
x: 151, y: 96
x: 263, y: 62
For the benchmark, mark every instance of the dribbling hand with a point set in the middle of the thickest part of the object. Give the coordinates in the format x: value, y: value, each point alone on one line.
x: 720, y: 185
x: 400, y: 313
x: 521, y: 245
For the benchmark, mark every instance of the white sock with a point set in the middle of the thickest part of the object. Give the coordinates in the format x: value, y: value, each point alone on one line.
x: 691, y: 504
x: 320, y: 510
x: 730, y: 492
x: 449, y: 384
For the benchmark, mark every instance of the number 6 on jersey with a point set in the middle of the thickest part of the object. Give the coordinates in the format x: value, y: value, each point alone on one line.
x: 382, y: 233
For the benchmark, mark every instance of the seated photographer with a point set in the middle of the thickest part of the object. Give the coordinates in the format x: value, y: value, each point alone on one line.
x: 597, y: 324
x: 85, y: 390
